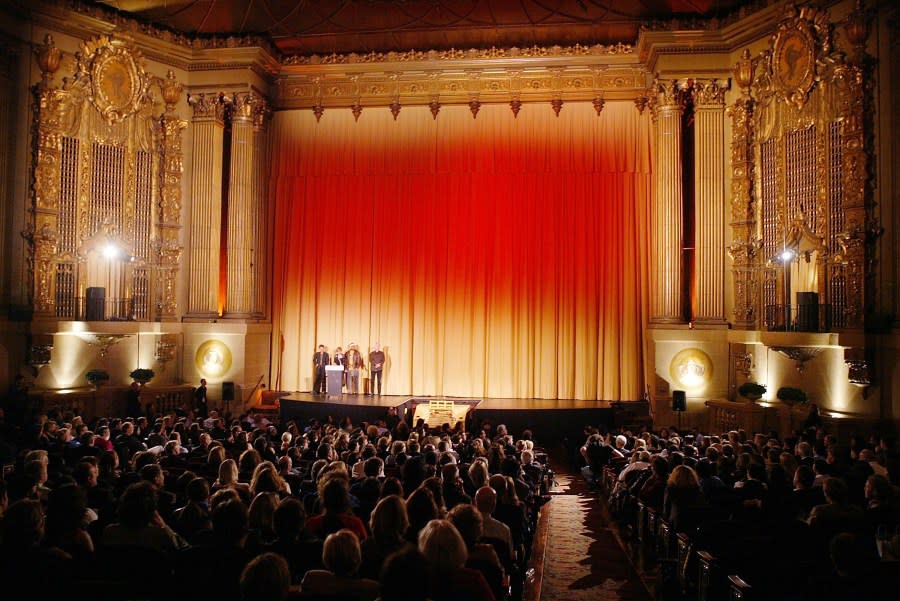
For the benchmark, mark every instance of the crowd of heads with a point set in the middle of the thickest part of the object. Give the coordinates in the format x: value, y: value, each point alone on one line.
x: 258, y: 509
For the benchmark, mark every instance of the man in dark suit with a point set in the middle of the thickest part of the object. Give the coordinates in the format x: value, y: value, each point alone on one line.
x: 320, y: 360
x: 200, y: 404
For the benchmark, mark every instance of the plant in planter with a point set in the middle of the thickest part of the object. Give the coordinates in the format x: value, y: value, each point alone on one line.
x: 791, y: 396
x: 142, y: 375
x: 751, y: 390
x: 97, y: 377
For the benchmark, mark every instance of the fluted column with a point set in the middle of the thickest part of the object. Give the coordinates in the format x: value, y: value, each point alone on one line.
x: 206, y: 205
x: 743, y: 221
x: 709, y: 200
x: 241, y: 224
x: 261, y: 236
x: 666, y: 305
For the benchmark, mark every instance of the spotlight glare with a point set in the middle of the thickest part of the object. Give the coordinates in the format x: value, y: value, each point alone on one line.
x: 110, y: 251
x: 787, y: 256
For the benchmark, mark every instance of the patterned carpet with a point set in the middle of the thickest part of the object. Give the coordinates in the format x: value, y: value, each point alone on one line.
x: 584, y: 560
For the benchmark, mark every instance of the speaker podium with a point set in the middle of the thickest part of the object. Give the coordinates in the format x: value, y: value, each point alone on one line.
x: 334, y: 380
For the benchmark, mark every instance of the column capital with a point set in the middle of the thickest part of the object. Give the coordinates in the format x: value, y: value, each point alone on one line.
x: 261, y: 113
x: 243, y: 105
x: 207, y: 107
x: 709, y: 93
x: 669, y: 93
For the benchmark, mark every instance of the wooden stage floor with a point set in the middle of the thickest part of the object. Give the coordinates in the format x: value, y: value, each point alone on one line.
x: 369, y: 400
x: 553, y: 417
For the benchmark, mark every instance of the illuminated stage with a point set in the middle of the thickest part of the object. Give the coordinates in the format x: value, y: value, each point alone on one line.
x: 548, y: 418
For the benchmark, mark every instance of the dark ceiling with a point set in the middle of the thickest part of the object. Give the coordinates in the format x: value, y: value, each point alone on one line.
x: 326, y: 26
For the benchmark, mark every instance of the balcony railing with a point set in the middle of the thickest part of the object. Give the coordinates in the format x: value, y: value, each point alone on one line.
x: 82, y: 308
x: 805, y: 318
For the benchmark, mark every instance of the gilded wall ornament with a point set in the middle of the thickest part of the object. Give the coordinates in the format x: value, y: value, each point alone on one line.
x: 691, y: 368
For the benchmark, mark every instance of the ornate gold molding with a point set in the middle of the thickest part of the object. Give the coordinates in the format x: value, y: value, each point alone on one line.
x: 454, y: 54
x: 357, y: 86
x: 804, y: 100
x: 207, y: 107
x: 708, y: 92
x: 106, y: 156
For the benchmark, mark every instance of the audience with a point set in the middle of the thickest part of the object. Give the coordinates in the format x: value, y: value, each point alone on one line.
x: 241, y: 509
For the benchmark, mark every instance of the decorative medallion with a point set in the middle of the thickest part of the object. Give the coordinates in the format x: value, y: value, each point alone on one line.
x: 794, y: 61
x: 117, y: 83
x: 213, y: 358
x: 691, y: 369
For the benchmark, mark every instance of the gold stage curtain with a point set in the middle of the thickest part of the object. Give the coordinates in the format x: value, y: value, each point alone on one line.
x: 493, y: 257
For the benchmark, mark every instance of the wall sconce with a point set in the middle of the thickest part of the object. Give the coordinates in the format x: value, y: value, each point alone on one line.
x: 744, y: 364
x: 800, y: 354
x: 165, y: 349
x: 38, y: 357
x: 104, y: 342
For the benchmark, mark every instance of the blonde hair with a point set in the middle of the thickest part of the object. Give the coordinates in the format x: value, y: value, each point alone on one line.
x: 683, y: 477
x: 228, y: 473
x: 389, y: 519
x: 262, y: 511
x: 341, y: 553
x: 443, y: 546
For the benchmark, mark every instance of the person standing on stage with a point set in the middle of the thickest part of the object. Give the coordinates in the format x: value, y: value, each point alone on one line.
x: 320, y: 360
x: 200, y: 405
x: 376, y: 366
x: 354, y: 363
x: 339, y: 359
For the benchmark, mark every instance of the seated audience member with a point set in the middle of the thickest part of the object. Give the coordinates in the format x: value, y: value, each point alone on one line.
x: 340, y: 578
x: 267, y: 479
x: 882, y: 504
x: 481, y: 556
x: 266, y: 578
x: 193, y: 519
x: 140, y: 523
x: 66, y: 521
x: 509, y: 509
x: 300, y: 547
x: 449, y: 579
x: 805, y: 496
x: 420, y: 509
x: 653, y: 490
x: 334, y: 493
x: 388, y: 525
x: 492, y: 528
x: 682, y: 497
x: 262, y: 518
x: 213, y: 570
x: 228, y: 478
x: 25, y: 560
x: 452, y: 487
x: 404, y: 576
x: 837, y: 514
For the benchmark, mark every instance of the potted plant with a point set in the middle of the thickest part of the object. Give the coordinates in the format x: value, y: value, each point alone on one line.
x: 791, y: 396
x: 97, y: 377
x: 142, y: 375
x: 752, y: 390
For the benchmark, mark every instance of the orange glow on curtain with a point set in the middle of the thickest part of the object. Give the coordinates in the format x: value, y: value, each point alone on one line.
x: 491, y: 257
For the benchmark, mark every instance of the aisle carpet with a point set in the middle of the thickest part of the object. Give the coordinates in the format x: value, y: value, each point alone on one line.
x: 583, y: 559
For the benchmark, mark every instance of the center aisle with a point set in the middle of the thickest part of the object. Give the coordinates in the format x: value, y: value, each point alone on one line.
x: 583, y: 559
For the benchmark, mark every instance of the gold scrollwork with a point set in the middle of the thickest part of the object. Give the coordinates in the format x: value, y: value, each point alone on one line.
x: 118, y: 81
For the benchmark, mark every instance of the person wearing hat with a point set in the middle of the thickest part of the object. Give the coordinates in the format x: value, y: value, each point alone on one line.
x: 353, y: 362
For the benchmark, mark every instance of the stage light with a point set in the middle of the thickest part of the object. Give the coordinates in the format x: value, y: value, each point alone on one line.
x: 111, y: 251
x: 787, y: 255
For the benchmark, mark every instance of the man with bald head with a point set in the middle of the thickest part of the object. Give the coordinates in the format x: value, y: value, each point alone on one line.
x: 486, y: 502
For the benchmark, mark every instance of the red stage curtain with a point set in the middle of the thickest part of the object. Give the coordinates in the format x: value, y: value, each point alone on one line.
x: 491, y: 257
